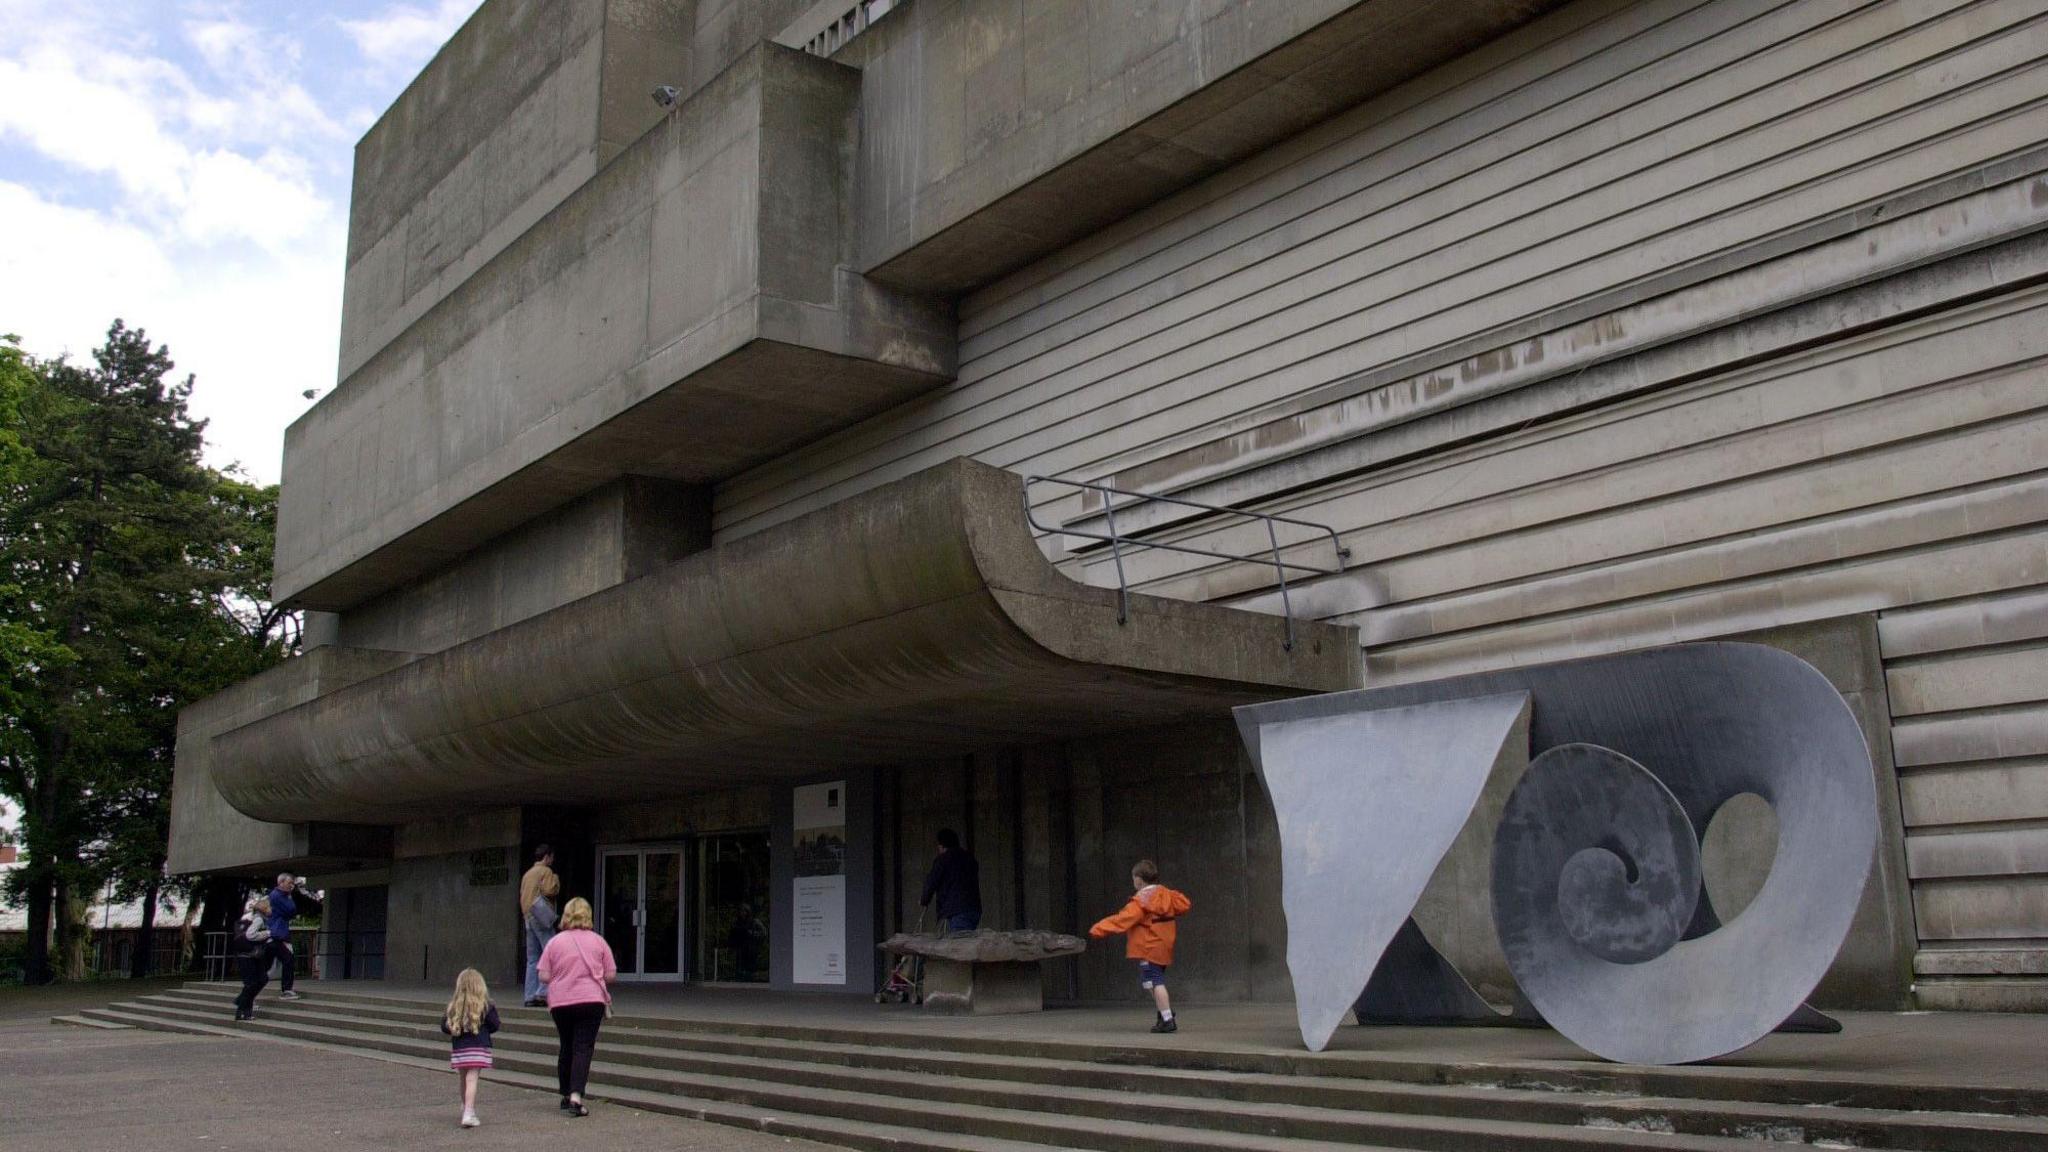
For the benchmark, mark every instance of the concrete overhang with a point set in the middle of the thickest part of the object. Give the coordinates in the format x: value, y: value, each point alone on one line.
x: 206, y: 834
x: 997, y: 134
x: 688, y: 312
x: 917, y: 620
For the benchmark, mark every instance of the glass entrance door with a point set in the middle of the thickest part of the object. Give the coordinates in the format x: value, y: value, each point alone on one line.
x: 732, y: 908
x: 642, y: 914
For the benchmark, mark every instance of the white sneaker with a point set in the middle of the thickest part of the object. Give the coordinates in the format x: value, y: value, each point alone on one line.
x: 469, y: 1120
x: 292, y: 995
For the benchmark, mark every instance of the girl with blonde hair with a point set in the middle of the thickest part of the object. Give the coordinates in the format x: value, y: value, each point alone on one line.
x: 469, y: 1021
x: 576, y: 966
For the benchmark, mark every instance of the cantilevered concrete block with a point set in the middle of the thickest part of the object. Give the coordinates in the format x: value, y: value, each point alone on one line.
x: 919, y: 619
x: 686, y: 313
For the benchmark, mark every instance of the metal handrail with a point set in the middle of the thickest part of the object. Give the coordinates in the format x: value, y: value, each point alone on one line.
x: 1116, y: 541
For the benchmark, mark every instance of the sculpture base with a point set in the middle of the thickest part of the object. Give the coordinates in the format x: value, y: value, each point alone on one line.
x: 982, y: 988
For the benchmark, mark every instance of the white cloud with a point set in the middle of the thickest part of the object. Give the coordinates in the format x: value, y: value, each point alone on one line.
x: 257, y: 328
x: 183, y: 194
x: 406, y: 36
x: 177, y: 170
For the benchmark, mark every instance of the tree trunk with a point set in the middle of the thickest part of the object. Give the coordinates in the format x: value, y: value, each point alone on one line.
x: 73, y: 931
x: 35, y: 960
x: 224, y: 898
x: 39, y: 823
x: 145, y: 941
x: 185, y: 930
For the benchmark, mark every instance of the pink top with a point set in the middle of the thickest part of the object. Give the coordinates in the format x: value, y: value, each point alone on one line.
x: 576, y: 965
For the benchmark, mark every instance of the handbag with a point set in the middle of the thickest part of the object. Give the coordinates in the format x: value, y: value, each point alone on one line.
x: 594, y: 975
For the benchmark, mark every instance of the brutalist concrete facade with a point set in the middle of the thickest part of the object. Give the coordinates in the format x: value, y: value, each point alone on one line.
x: 640, y: 505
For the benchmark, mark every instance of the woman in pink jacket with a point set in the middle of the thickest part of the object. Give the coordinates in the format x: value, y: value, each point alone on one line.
x: 577, y: 966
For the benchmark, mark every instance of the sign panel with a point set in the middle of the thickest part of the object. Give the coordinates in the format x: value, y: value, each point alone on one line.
x: 818, y: 951
x: 487, y: 868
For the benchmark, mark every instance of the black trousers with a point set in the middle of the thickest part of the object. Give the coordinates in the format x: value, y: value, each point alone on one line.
x: 281, y: 951
x: 577, y: 1025
x: 255, y: 974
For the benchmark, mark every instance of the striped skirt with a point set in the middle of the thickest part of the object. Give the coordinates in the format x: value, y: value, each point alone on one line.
x: 470, y: 1058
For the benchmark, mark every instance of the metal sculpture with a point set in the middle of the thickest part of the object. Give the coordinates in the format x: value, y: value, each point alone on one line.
x: 1597, y: 891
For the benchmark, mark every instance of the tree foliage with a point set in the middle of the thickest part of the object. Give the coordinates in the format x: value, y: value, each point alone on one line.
x: 131, y: 583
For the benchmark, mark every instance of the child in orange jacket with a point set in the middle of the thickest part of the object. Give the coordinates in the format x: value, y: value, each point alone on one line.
x: 1149, y: 921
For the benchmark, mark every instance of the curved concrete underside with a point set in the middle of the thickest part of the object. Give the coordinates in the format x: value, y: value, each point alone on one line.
x: 917, y: 620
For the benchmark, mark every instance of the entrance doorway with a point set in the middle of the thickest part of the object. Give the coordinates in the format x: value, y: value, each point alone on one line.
x: 732, y: 909
x: 697, y: 910
x: 642, y: 914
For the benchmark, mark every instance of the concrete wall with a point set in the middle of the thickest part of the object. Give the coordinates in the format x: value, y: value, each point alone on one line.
x: 726, y: 810
x: 1057, y: 827
x: 209, y: 835
x: 995, y: 133
x: 521, y: 107
x: 1646, y: 323
x: 695, y: 283
x: 1335, y: 288
x: 496, y: 131
x: 622, y: 531
x: 440, y: 919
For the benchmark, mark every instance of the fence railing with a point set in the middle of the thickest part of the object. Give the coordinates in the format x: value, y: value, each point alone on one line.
x: 315, y: 954
x: 827, y: 27
x: 1118, y: 542
x: 113, y: 953
x: 349, y: 955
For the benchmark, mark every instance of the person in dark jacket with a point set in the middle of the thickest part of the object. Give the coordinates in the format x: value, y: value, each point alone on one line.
x: 955, y: 880
x: 252, y: 956
x: 282, y: 910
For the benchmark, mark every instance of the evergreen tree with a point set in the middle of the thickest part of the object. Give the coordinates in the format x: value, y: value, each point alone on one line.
x: 127, y: 575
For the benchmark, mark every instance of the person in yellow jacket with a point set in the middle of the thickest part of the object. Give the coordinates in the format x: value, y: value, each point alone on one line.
x: 1147, y: 923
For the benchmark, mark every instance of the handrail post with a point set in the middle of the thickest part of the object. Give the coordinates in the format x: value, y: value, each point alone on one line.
x: 1123, y: 589
x: 1115, y: 540
x: 1280, y: 570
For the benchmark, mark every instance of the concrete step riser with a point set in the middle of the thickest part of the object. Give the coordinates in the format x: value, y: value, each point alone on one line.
x: 831, y: 1073
x: 667, y: 1103
x: 1775, y: 1087
x: 605, y: 1075
x: 531, y: 1055
x: 1153, y: 1107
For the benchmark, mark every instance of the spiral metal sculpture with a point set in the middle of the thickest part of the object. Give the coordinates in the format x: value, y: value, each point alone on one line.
x: 1597, y: 888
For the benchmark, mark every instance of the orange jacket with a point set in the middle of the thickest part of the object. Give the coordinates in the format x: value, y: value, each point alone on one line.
x: 1149, y: 919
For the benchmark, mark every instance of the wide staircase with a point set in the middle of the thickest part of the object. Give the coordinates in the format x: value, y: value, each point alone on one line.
x: 876, y: 1089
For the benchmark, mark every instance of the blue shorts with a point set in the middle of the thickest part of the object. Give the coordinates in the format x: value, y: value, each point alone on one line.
x: 1150, y: 975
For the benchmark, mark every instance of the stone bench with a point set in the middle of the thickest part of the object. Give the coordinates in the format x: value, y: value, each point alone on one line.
x: 984, y: 972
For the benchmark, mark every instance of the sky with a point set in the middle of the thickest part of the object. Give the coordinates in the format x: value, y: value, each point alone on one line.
x: 184, y: 165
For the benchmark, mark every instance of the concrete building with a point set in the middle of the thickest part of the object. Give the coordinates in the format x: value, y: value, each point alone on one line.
x: 669, y: 507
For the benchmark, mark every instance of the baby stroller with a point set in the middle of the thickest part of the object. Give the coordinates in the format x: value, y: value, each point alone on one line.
x: 905, y: 984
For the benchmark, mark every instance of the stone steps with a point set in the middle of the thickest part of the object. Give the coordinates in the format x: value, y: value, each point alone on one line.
x: 1080, y: 1095
x: 1102, y: 1089
x: 881, y: 1138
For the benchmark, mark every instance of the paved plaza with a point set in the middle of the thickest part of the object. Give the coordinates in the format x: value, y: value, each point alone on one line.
x: 69, y: 1089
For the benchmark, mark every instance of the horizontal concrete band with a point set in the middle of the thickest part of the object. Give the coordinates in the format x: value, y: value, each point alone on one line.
x: 916, y: 620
